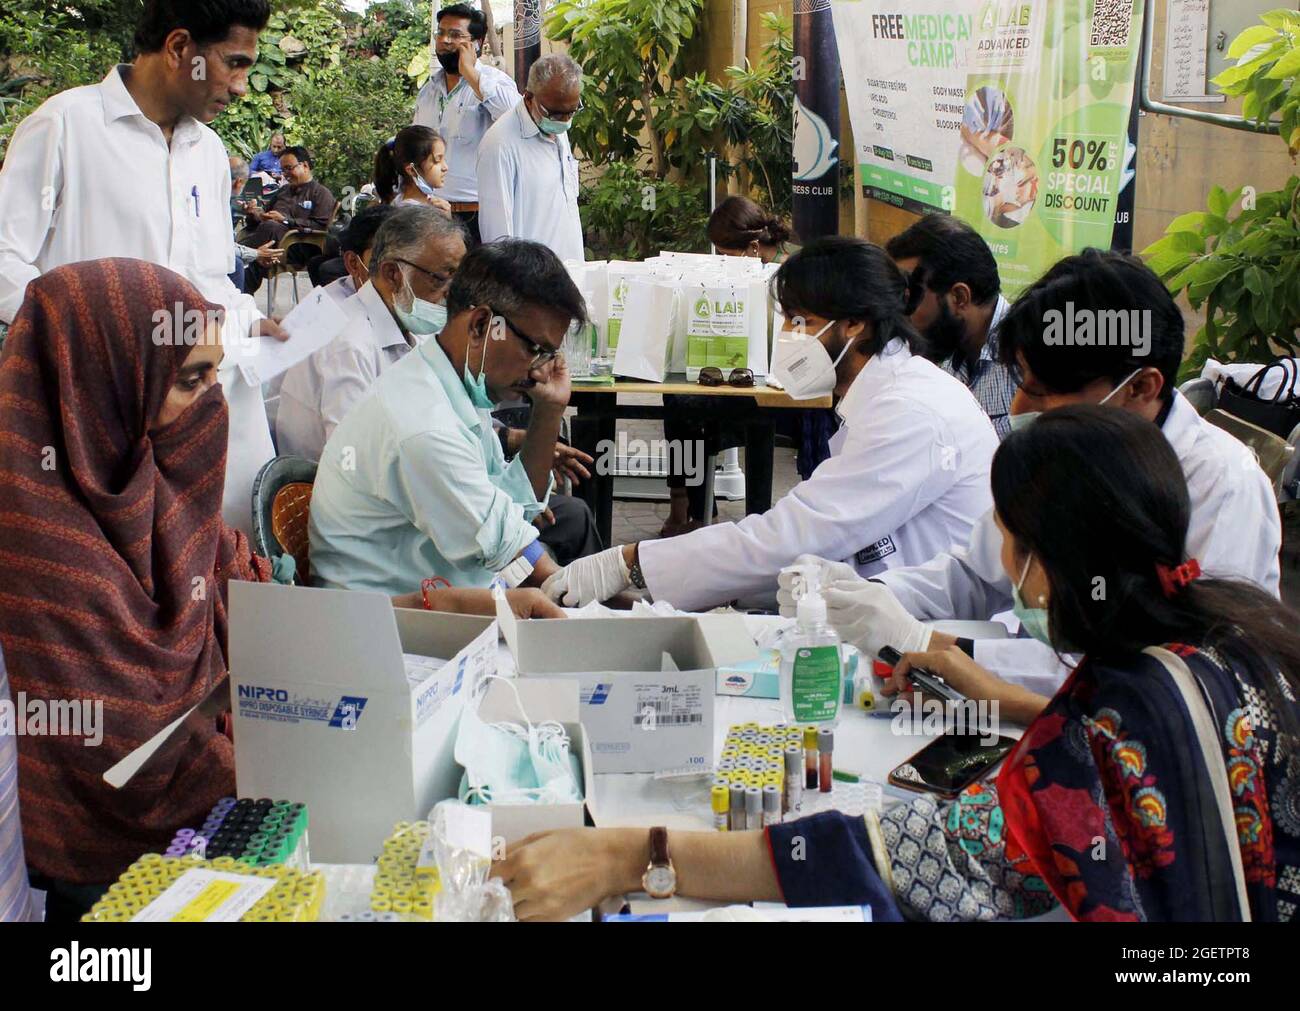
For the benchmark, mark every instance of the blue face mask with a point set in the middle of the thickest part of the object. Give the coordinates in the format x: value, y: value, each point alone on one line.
x: 424, y: 317
x: 1032, y: 619
x: 553, y: 127
x: 422, y: 185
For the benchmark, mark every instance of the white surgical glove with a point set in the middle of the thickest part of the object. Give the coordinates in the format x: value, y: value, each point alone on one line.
x: 596, y: 577
x: 830, y: 572
x: 868, y: 615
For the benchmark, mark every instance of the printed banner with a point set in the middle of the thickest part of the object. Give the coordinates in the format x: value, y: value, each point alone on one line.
x: 1012, y: 114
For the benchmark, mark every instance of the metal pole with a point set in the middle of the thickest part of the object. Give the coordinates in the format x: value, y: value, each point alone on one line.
x: 1149, y: 104
x: 713, y: 191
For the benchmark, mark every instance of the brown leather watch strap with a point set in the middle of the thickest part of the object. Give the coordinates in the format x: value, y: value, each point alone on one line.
x: 659, y: 847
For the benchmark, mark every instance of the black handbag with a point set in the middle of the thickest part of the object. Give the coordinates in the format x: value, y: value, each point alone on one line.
x: 1278, y: 414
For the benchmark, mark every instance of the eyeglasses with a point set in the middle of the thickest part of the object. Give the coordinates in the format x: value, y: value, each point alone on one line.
x: 712, y: 376
x: 440, y: 280
x: 562, y: 117
x: 542, y: 355
x: 455, y: 36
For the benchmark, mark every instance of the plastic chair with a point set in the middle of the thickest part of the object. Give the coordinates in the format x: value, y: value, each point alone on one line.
x: 1274, y: 454
x: 1202, y: 394
x: 281, y: 510
x: 297, y: 237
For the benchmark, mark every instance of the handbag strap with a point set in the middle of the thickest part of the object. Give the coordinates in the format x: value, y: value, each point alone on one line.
x: 1212, y: 754
x: 1290, y: 370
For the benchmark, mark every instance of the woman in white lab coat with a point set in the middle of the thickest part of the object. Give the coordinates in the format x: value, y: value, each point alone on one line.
x: 908, y: 472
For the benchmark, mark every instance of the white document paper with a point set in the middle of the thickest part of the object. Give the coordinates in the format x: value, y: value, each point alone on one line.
x: 203, y: 896
x: 314, y: 322
x: 1187, y: 38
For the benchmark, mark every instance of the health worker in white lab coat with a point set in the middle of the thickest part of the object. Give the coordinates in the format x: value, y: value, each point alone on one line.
x: 129, y: 168
x: 908, y: 472
x: 1234, y: 533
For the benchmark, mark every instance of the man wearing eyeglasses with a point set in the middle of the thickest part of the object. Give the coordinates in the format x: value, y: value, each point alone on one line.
x: 527, y: 175
x: 462, y: 98
x: 413, y: 484
x: 415, y: 255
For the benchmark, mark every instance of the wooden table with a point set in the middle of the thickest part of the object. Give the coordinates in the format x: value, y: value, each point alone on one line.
x: 596, y: 425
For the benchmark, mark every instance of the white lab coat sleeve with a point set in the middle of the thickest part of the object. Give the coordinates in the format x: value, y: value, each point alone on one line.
x: 441, y: 485
x: 1236, y: 531
x: 30, y: 184
x: 885, y: 473
x: 497, y: 172
x: 965, y: 583
x: 1025, y: 662
x: 346, y: 376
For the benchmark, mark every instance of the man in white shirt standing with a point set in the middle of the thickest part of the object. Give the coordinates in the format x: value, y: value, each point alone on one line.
x: 128, y: 168
x: 416, y: 253
x: 461, y: 100
x: 527, y: 175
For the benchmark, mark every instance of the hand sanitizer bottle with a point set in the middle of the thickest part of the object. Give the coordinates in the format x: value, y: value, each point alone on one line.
x: 812, y: 662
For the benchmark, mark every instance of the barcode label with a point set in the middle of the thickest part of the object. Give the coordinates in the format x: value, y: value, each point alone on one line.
x: 669, y: 720
x: 1112, y: 21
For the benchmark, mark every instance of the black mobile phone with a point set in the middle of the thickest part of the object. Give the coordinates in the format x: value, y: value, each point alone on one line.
x: 950, y: 763
x: 926, y: 680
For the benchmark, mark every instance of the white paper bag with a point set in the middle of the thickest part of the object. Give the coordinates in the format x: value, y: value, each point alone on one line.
x: 645, y: 336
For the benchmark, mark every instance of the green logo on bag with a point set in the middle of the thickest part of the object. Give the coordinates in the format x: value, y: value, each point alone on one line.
x: 702, y: 308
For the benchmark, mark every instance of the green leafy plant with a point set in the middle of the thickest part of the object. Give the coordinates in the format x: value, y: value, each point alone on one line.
x: 631, y: 52
x: 1240, y: 258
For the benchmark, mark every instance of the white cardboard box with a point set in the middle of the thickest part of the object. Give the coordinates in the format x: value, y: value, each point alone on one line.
x: 630, y: 668
x: 542, y: 699
x: 325, y: 713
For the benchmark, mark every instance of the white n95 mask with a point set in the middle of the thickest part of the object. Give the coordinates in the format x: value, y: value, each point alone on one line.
x: 803, y: 365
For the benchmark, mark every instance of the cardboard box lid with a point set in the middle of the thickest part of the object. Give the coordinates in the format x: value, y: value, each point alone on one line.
x: 581, y: 645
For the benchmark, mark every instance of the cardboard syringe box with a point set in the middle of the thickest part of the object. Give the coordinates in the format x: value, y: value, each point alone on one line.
x: 325, y: 713
x: 542, y: 699
x: 647, y: 684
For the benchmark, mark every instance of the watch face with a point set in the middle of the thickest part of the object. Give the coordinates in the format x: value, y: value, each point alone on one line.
x: 660, y: 880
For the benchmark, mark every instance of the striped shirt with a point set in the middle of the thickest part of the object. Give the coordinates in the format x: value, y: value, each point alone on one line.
x: 14, y: 892
x: 989, y: 380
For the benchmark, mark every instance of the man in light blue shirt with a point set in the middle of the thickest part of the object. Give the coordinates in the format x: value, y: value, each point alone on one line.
x: 527, y: 175
x: 462, y: 98
x: 413, y: 484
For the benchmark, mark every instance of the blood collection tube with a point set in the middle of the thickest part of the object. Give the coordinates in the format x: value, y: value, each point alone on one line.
x: 810, y: 757
x: 771, y: 805
x: 793, y: 778
x: 721, y: 798
x: 753, y: 808
x: 826, y: 745
x: 736, y: 805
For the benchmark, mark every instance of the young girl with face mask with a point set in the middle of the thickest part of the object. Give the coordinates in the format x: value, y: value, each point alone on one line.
x: 411, y: 168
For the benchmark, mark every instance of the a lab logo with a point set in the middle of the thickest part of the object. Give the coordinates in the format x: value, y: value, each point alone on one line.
x: 702, y: 309
x: 348, y: 712
x: 1130, y: 328
x: 814, y: 147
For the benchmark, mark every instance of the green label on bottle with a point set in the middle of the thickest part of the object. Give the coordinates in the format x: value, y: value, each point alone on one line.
x: 815, y: 684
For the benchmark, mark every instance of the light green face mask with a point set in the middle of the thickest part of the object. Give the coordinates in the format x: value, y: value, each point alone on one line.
x: 553, y: 127
x: 476, y: 386
x: 1032, y: 619
x: 1019, y: 422
x: 424, y: 317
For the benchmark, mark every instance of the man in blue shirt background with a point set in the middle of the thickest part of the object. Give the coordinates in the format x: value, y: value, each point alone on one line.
x: 268, y: 161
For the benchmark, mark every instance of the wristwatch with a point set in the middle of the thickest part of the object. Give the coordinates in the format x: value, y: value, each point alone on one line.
x: 660, y: 877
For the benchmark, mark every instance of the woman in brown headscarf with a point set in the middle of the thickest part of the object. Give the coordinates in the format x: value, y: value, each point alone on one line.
x: 113, y: 556
x: 114, y: 560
